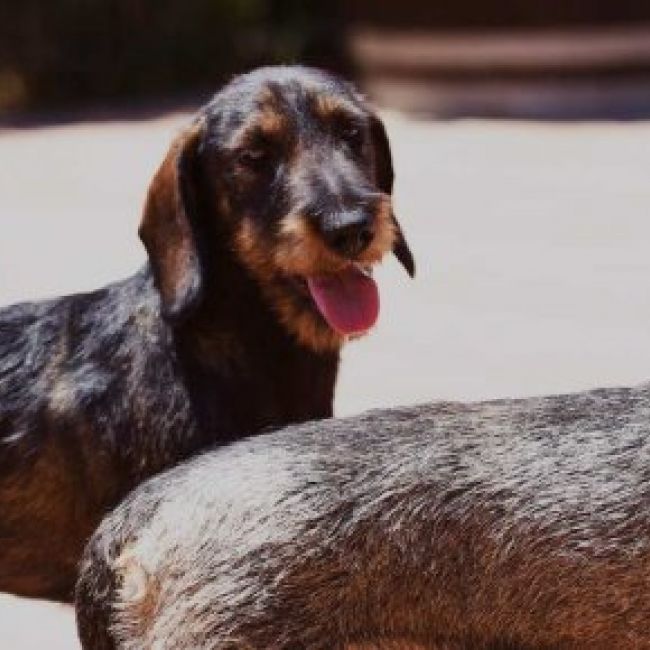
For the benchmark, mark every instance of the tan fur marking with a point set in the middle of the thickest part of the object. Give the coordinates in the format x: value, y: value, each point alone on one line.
x: 138, y: 596
x: 304, y: 324
x: 300, y: 252
x: 327, y: 105
x: 271, y: 122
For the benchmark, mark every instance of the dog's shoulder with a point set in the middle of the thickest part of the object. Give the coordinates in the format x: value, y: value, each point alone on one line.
x: 26, y: 330
x: 57, y: 354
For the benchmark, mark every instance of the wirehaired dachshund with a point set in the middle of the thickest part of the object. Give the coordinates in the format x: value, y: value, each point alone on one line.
x: 502, y: 525
x: 261, y: 226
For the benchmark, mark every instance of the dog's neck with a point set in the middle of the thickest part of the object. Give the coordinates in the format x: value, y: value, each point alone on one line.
x: 233, y: 350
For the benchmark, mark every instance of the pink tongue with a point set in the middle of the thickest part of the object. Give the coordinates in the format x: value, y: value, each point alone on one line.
x: 349, y: 301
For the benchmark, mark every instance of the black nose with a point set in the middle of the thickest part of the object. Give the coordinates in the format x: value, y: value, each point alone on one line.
x: 348, y: 232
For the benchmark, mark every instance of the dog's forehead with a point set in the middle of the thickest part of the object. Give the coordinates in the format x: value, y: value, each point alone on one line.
x: 279, y: 100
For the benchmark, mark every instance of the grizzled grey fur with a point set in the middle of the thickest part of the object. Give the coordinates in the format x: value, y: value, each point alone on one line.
x: 216, y: 338
x: 510, y: 524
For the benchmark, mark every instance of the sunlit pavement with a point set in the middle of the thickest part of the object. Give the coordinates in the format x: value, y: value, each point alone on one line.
x: 35, y: 625
x: 532, y: 243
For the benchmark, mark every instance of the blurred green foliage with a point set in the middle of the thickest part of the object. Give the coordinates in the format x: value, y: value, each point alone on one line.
x: 62, y: 52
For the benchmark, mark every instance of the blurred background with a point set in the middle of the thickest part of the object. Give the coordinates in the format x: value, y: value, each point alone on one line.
x: 574, y: 58
x: 469, y: 57
x: 521, y: 137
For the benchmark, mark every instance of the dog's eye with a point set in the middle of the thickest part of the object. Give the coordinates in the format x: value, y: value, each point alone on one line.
x: 353, y: 136
x: 254, y: 159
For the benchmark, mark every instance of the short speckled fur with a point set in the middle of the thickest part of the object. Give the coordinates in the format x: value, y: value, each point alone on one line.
x: 211, y: 341
x: 503, y: 525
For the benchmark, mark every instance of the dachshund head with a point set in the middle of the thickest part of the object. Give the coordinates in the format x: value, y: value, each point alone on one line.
x: 288, y: 171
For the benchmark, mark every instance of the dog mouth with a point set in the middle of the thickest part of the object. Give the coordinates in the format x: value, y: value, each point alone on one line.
x: 348, y: 300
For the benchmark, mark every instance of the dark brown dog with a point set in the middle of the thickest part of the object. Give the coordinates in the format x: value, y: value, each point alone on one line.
x: 260, y: 226
x: 506, y: 525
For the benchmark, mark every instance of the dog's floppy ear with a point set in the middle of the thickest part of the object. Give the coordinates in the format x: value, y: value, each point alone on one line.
x: 385, y: 176
x: 168, y: 223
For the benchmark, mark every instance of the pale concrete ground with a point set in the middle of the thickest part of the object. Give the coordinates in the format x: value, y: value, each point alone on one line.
x: 532, y: 245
